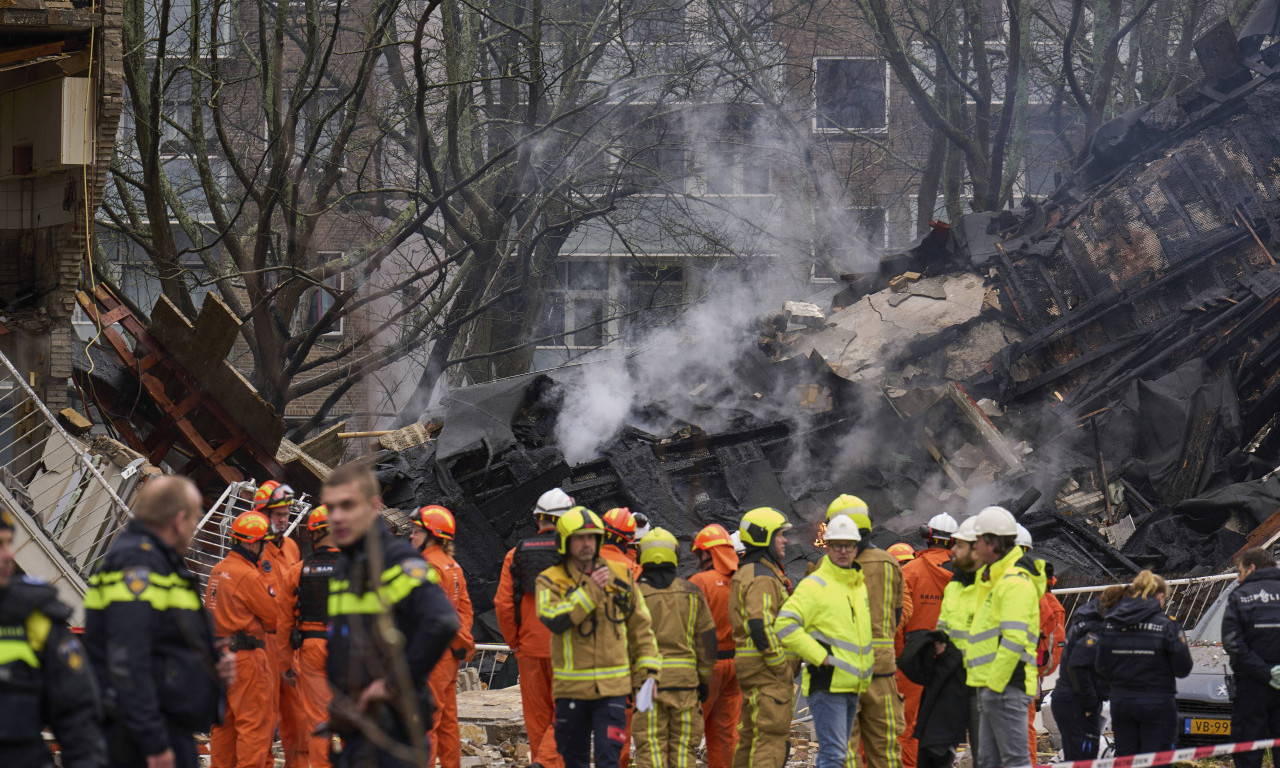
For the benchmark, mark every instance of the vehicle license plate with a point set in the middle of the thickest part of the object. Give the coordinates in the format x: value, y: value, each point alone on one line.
x: 1207, y: 726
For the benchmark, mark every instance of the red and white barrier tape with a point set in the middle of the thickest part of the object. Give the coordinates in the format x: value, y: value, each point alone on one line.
x: 1171, y: 756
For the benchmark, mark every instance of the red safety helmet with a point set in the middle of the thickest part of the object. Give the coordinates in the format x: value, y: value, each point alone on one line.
x: 250, y: 527
x: 713, y: 535
x: 620, y: 522
x: 436, y: 520
x: 318, y: 520
x: 272, y: 494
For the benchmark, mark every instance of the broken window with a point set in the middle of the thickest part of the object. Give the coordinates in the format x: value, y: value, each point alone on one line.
x: 851, y: 95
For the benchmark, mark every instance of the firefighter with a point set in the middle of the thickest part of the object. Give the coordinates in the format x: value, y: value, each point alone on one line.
x: 1000, y: 657
x: 44, y: 675
x: 309, y: 583
x: 720, y: 712
x: 1250, y: 638
x: 827, y: 623
x: 149, y: 639
x: 389, y: 622
x: 924, y: 578
x: 603, y: 647
x: 1053, y: 630
x: 243, y: 603
x: 279, y: 556
x: 669, y: 733
x: 529, y: 640
x: 878, y: 727
x: 619, y: 538
x: 433, y: 532
x: 757, y: 591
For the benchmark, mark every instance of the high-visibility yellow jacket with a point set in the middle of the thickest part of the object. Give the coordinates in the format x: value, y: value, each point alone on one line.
x: 684, y: 631
x: 829, y: 614
x: 959, y: 603
x: 598, y: 636
x: 1006, y: 626
x: 757, y: 592
x: 884, y: 582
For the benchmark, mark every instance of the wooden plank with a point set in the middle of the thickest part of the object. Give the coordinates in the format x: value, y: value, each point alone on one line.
x: 35, y: 51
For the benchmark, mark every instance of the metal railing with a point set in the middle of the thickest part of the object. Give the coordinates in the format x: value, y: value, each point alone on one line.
x: 67, y: 500
x: 211, y: 542
x: 1187, y: 601
x: 494, y: 661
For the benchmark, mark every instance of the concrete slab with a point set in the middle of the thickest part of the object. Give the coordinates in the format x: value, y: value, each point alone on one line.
x: 491, y: 717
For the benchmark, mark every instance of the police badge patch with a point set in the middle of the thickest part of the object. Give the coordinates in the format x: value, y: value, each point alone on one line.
x: 71, y: 653
x: 136, y: 580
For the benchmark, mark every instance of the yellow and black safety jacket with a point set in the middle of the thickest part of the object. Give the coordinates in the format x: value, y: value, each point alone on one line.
x: 756, y: 594
x: 885, y: 587
x: 682, y: 627
x: 602, y: 640
x: 150, y: 642
x: 1001, y: 648
x: 829, y: 615
x: 45, y: 678
x: 959, y: 603
x: 406, y: 587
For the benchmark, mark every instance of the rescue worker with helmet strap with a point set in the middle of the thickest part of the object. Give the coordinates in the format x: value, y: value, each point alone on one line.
x: 44, y: 674
x: 924, y: 578
x: 602, y: 646
x: 149, y: 638
x: 1000, y: 657
x: 243, y: 603
x: 827, y: 623
x: 516, y: 607
x: 432, y: 534
x: 309, y: 583
x: 279, y: 556
x: 879, y: 724
x: 379, y: 675
x: 722, y: 708
x: 667, y: 736
x: 620, y: 538
x: 959, y: 603
x: 766, y: 674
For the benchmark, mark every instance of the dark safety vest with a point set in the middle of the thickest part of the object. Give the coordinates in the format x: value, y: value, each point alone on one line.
x: 313, y: 587
x: 533, y: 556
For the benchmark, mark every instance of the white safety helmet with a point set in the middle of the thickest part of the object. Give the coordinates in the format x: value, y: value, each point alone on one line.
x: 966, y: 531
x: 1023, y: 538
x: 941, y: 527
x: 842, y: 528
x: 553, y: 503
x: 643, y: 526
x: 738, y: 546
x: 997, y: 521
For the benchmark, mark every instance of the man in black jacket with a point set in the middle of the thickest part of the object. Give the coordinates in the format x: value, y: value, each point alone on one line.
x: 149, y: 638
x: 930, y: 659
x: 1251, y: 637
x: 44, y: 676
x: 389, y: 623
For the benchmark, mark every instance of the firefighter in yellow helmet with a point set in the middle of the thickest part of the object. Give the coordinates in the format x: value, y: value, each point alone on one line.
x: 765, y: 672
x: 602, y: 646
x: 668, y: 734
x: 879, y: 725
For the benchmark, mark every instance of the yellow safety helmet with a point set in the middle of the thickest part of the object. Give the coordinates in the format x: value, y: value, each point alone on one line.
x: 577, y: 520
x: 658, y: 547
x: 854, y: 507
x: 759, y: 525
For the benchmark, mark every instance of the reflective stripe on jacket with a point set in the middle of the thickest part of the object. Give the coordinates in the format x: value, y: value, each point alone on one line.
x: 829, y: 614
x: 1005, y: 627
x: 598, y: 636
x: 959, y: 603
x: 757, y: 594
x: 884, y: 583
x: 684, y: 631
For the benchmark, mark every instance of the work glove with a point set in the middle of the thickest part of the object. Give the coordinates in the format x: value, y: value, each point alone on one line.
x: 1275, y: 677
x: 704, y: 691
x: 644, y: 697
x: 459, y: 653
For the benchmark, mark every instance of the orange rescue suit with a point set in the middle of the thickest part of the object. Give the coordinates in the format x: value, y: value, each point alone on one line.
x: 924, y: 580
x: 283, y: 554
x: 723, y: 707
x: 244, y: 608
x: 530, y: 640
x: 1053, y: 630
x: 445, y: 741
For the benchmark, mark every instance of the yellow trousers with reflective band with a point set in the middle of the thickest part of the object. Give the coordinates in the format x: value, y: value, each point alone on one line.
x: 667, y: 736
x: 878, y: 727
x: 765, y: 726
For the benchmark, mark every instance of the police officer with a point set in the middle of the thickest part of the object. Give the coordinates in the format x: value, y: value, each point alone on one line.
x: 389, y: 623
x: 1077, y: 698
x: 309, y: 582
x: 1251, y: 636
x: 148, y: 636
x: 44, y: 675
